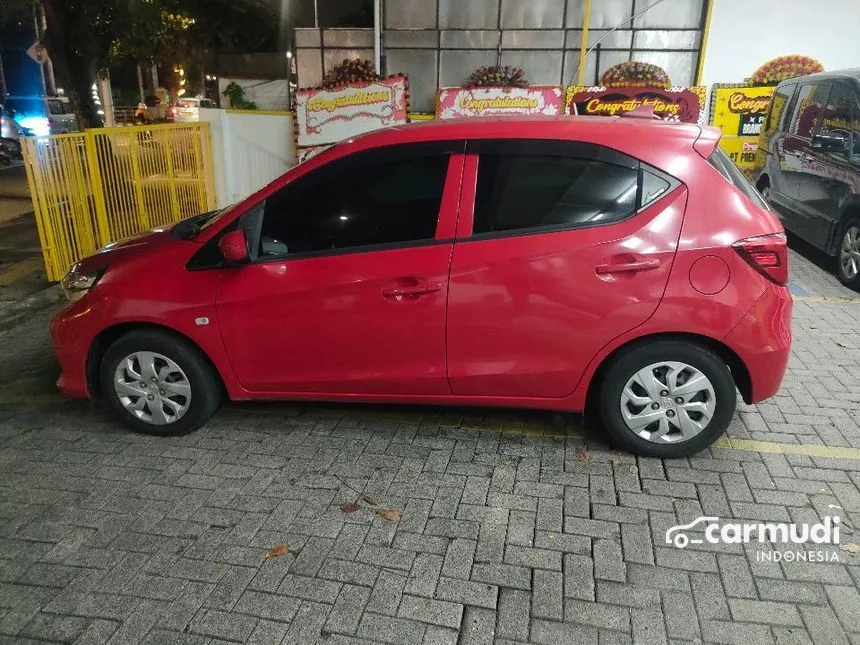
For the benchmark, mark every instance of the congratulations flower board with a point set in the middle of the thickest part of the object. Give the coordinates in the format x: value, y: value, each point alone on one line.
x: 739, y: 111
x: 463, y: 102
x: 683, y: 104
x: 326, y: 116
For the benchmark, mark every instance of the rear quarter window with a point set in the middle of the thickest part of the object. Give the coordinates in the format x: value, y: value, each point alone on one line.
x: 727, y: 168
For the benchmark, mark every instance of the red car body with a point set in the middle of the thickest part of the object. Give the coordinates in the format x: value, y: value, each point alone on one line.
x: 522, y: 321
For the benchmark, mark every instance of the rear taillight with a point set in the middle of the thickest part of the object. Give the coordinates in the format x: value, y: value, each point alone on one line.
x: 767, y: 254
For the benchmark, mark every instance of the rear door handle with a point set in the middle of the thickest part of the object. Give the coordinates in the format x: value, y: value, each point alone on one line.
x: 412, y: 291
x: 628, y: 267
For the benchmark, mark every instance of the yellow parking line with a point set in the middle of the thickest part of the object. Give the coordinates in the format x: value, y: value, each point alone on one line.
x: 750, y: 445
x: 840, y: 300
x: 19, y: 270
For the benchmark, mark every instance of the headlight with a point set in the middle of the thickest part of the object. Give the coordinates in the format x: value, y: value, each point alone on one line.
x: 77, y: 283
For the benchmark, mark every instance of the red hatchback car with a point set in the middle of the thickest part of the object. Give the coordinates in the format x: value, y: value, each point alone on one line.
x: 621, y: 264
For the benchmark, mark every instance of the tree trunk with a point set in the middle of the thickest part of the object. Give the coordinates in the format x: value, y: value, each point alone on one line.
x: 74, y: 72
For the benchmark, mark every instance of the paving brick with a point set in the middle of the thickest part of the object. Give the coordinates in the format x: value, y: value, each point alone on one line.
x: 513, y: 614
x: 385, y: 598
x: 554, y: 633
x: 459, y: 558
x: 52, y: 627
x: 479, y: 626
x: 434, y: 635
x: 597, y: 614
x: 547, y: 599
x: 311, y: 589
x: 435, y: 612
x: 550, y: 515
x: 383, y: 556
x: 679, y: 614
x: 263, y: 605
x: 772, y: 613
x: 737, y: 578
x: 636, y: 544
x: 424, y: 575
x: 465, y: 592
x: 228, y: 626
x: 708, y: 596
x: 609, y: 561
x: 629, y: 595
x: 347, y: 571
x: 578, y: 577
x: 719, y: 631
x: 648, y: 627
x: 307, y: 626
x: 503, y: 575
x: 386, y: 629
x: 521, y: 528
x: 845, y: 601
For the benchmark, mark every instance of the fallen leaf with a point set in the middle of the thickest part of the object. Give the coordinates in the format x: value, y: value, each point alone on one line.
x: 390, y: 515
x: 275, y: 551
x: 634, y: 469
x: 842, y: 345
x: 850, y: 547
x: 616, y: 461
x: 847, y: 528
x: 557, y: 439
x: 350, y: 507
x: 584, y: 455
x: 368, y: 499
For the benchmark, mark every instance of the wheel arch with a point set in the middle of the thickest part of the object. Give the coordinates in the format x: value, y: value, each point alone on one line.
x: 851, y: 209
x: 740, y: 373
x: 107, y: 336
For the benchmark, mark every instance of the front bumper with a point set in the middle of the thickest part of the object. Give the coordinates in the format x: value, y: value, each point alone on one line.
x: 72, y: 333
x: 762, y: 340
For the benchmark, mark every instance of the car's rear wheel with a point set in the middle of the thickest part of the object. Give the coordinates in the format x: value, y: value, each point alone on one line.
x: 158, y: 383
x: 667, y: 398
x: 848, y: 257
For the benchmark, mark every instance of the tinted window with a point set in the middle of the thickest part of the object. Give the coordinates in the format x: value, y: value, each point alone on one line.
x: 781, y: 97
x: 518, y: 192
x: 809, y: 109
x: 721, y: 161
x: 356, y: 203
x: 652, y: 187
x: 842, y: 116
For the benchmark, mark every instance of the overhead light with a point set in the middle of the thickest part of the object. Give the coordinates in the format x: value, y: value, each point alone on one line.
x: 289, y: 54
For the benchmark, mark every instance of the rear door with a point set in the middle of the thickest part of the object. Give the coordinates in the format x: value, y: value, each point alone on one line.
x: 560, y: 248
x: 801, y: 169
x: 770, y: 144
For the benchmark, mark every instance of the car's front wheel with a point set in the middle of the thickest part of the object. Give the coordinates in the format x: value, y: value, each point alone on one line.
x: 667, y: 398
x: 158, y: 383
x: 848, y: 265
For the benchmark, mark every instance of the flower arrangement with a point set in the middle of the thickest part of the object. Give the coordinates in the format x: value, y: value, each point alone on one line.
x: 634, y: 74
x: 777, y: 70
x: 497, y: 76
x: 350, y: 71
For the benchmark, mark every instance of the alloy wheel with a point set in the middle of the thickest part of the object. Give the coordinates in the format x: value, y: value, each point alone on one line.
x: 849, y: 254
x: 668, y: 402
x: 152, y: 387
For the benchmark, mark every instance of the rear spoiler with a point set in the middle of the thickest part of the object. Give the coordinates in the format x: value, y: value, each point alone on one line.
x: 707, y: 141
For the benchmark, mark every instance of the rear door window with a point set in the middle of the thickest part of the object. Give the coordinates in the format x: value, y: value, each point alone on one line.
x: 528, y: 189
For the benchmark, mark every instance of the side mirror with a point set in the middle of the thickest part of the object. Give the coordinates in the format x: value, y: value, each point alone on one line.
x: 830, y: 141
x: 234, y: 247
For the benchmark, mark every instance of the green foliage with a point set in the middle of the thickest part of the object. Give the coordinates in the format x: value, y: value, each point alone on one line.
x: 235, y: 94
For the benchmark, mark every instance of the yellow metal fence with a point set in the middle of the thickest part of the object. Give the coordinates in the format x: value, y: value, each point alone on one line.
x: 100, y: 186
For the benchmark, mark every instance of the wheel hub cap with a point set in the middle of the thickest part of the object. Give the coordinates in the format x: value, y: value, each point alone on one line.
x: 849, y: 255
x: 668, y: 402
x: 152, y: 387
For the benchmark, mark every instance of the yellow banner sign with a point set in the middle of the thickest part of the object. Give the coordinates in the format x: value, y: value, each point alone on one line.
x: 739, y: 111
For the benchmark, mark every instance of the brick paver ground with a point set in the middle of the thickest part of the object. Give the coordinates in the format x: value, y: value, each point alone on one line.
x: 515, y: 528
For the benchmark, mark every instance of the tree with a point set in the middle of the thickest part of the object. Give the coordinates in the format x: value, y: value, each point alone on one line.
x: 84, y: 36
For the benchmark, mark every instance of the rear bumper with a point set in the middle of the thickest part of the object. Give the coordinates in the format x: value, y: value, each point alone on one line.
x: 762, y: 340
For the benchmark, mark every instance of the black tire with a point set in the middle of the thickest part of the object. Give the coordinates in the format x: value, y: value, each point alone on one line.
x: 626, y: 364
x: 206, y: 388
x: 851, y: 283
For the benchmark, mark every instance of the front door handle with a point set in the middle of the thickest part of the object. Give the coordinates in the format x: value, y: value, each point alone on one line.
x: 645, y: 264
x: 411, y: 291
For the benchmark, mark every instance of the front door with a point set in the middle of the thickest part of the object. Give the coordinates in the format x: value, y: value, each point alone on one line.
x: 346, y: 294
x: 834, y: 168
x: 570, y: 246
